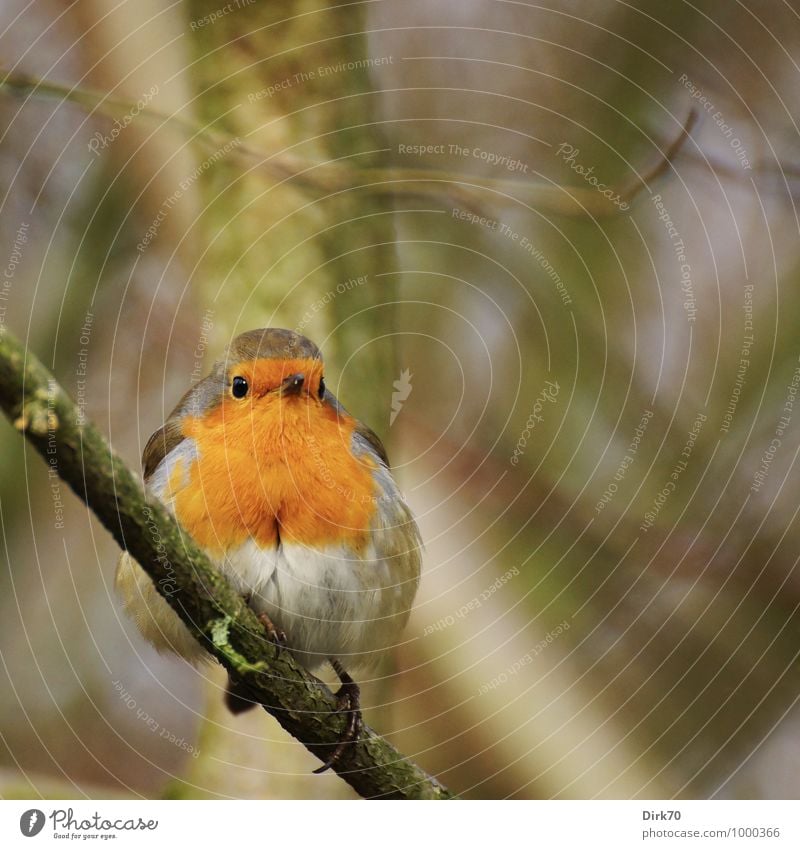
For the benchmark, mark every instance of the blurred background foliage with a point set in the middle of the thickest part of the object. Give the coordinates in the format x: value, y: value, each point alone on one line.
x: 560, y: 647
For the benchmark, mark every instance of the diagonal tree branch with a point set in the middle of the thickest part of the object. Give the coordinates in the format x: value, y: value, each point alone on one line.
x: 215, y: 613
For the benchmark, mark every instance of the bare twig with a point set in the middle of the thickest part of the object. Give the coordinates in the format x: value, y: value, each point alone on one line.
x: 465, y: 190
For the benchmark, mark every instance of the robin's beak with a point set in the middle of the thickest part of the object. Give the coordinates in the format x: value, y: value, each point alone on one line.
x: 292, y: 385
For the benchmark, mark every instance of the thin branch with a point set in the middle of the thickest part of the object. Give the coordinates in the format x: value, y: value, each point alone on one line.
x: 466, y: 190
x: 214, y: 612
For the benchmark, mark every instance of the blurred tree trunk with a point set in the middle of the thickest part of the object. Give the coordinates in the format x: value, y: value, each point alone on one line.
x: 291, y: 79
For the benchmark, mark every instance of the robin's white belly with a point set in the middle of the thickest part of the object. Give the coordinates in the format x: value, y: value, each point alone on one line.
x: 329, y: 602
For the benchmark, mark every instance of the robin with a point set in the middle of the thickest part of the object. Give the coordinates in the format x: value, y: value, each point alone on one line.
x: 294, y: 500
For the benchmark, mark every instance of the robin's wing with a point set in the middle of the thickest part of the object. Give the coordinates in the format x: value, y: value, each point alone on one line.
x: 160, y: 444
x: 361, y: 433
x: 166, y: 462
x: 372, y: 438
x: 394, y: 532
x: 203, y: 396
x: 169, y: 457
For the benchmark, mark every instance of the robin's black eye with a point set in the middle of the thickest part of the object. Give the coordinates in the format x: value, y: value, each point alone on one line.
x: 239, y: 387
x: 321, y: 387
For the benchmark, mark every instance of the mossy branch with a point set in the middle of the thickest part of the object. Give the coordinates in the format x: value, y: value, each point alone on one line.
x: 214, y: 612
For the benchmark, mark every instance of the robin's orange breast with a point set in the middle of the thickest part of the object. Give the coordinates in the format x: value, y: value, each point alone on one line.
x: 276, y: 468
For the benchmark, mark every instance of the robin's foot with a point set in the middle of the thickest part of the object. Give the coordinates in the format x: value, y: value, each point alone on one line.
x: 237, y: 697
x: 276, y: 635
x: 347, y: 701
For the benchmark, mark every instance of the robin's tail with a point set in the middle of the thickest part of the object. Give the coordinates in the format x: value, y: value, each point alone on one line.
x: 237, y: 697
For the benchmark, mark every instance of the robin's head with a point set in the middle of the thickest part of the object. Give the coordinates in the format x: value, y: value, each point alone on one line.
x: 261, y: 370
x: 273, y: 365
x: 267, y: 380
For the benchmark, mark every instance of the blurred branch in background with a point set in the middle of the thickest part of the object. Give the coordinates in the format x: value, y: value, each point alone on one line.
x: 462, y: 189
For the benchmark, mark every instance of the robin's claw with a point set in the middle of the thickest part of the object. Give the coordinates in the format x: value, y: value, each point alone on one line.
x: 276, y: 635
x: 348, y: 700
